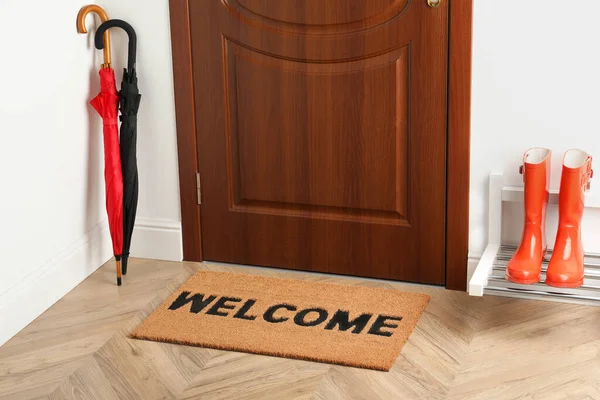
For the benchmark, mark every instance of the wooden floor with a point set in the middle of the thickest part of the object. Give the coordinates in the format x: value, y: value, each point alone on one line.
x: 462, y: 348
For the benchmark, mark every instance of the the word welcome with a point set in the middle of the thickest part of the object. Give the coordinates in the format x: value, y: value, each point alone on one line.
x: 283, y: 312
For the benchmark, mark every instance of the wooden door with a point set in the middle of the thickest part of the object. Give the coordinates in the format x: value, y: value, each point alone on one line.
x: 321, y: 134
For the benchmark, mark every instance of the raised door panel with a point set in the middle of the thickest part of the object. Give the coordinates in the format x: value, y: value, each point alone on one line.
x: 318, y: 16
x: 325, y: 138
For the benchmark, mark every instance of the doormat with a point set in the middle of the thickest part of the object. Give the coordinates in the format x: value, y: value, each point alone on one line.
x: 348, y: 325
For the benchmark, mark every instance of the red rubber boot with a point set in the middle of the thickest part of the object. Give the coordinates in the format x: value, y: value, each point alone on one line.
x: 566, y: 264
x: 526, y: 264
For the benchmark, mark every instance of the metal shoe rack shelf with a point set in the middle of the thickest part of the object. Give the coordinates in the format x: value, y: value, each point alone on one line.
x: 488, y: 277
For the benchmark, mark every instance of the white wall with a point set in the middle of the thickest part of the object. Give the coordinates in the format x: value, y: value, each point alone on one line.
x: 53, y: 224
x: 535, y: 83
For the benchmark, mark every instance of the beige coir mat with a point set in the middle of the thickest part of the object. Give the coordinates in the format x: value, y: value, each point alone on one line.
x: 349, y: 325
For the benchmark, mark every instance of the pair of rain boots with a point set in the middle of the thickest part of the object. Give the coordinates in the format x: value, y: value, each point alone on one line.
x: 565, y: 269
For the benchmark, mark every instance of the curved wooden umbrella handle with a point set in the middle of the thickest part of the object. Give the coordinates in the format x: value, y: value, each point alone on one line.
x: 83, y: 12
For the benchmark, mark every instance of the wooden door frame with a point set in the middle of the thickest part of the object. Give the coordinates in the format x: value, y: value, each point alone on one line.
x: 458, y: 142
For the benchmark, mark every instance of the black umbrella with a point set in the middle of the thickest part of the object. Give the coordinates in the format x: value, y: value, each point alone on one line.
x: 129, y: 104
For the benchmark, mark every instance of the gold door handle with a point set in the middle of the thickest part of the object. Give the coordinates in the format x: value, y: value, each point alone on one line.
x: 434, y: 3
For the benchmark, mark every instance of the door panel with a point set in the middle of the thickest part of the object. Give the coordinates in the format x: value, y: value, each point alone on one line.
x: 358, y: 167
x: 321, y: 132
x: 332, y: 15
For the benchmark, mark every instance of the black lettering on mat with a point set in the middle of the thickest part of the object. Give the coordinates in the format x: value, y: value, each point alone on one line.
x: 380, y: 322
x: 300, y: 318
x: 241, y: 314
x: 269, y: 315
x: 198, y: 302
x: 342, y: 319
x: 222, y: 304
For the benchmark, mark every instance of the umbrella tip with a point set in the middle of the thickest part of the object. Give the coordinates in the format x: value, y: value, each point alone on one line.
x: 124, y: 265
x: 118, y: 259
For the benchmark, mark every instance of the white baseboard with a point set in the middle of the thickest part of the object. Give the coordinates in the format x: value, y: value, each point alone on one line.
x: 157, y: 239
x: 44, y: 286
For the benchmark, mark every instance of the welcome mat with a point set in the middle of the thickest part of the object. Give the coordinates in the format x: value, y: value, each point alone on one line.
x: 349, y: 325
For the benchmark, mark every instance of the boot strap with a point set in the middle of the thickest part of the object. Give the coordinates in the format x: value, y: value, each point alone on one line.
x: 588, y: 174
x: 522, y: 171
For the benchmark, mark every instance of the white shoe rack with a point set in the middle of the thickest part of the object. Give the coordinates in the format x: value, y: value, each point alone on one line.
x: 488, y: 277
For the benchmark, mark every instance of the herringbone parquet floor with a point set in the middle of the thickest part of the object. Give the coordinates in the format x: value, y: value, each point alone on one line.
x: 462, y: 348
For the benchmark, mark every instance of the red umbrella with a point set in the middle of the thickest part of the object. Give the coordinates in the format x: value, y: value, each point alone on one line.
x: 106, y: 104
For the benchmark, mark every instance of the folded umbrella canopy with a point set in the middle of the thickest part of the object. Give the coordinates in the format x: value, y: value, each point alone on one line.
x: 106, y: 103
x: 129, y: 104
